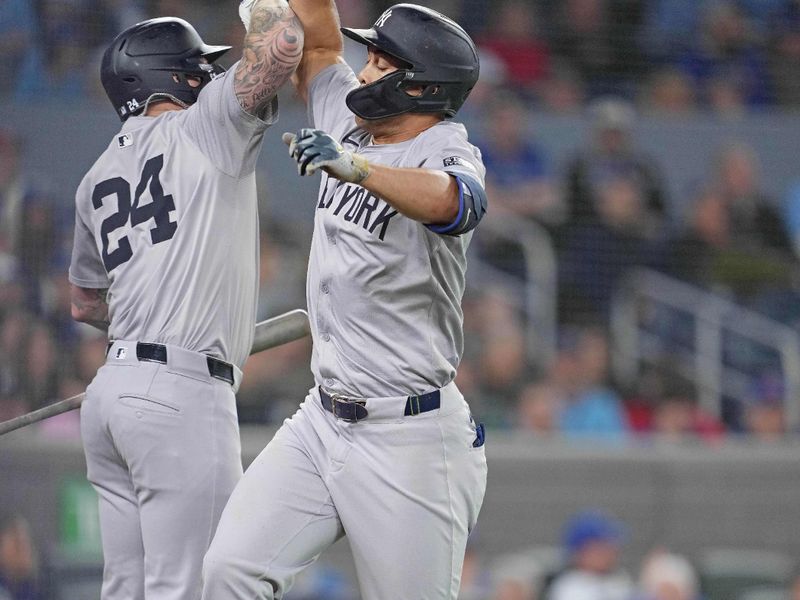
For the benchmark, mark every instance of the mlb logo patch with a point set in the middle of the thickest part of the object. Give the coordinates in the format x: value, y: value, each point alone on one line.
x: 125, y: 140
x: 122, y: 352
x: 453, y: 161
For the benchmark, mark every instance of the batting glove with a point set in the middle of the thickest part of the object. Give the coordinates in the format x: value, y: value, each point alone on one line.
x: 314, y: 149
x: 245, y: 8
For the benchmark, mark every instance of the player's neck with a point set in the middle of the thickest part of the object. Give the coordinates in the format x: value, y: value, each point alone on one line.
x: 156, y: 108
x: 400, y: 128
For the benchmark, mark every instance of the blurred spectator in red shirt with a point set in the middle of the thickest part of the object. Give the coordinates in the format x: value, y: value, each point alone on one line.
x: 513, y: 37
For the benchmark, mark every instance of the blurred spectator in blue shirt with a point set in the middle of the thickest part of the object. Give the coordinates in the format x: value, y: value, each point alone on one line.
x: 668, y: 27
x: 56, y: 68
x: 592, y: 409
x: 518, y: 177
x: 726, y: 62
x: 592, y: 542
x: 17, y: 31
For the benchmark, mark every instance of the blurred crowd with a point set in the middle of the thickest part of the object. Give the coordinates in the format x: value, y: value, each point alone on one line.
x: 675, y: 56
x: 603, y: 212
x: 590, y: 561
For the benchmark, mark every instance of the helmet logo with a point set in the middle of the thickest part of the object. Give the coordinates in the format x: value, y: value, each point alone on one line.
x: 383, y: 18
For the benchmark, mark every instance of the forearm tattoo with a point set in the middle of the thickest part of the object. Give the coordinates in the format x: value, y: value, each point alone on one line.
x: 272, y: 50
x: 94, y: 308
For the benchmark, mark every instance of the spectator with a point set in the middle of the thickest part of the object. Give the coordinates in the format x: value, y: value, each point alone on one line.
x: 726, y: 62
x: 55, y: 68
x: 518, y: 177
x: 18, y: 561
x: 592, y: 408
x: 538, y: 408
x: 668, y: 92
x: 667, y: 576
x: 582, y: 35
x: 735, y: 242
x: 754, y: 218
x: 596, y: 253
x: 611, y: 154
x: 13, y: 187
x: 785, y: 56
x: 592, y: 541
x: 764, y: 411
x: 17, y: 31
x: 514, y: 39
x: 563, y: 91
x: 13, y: 335
x: 668, y: 26
x: 794, y: 591
x: 677, y: 416
x: 37, y: 243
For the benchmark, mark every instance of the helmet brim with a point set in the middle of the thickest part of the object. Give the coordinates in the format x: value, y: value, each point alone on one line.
x: 371, y: 37
x: 368, y: 37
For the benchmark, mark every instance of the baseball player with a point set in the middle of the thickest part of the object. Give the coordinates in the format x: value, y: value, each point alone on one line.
x: 384, y: 448
x: 165, y: 258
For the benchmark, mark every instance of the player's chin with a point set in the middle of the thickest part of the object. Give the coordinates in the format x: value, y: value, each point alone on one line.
x: 374, y: 126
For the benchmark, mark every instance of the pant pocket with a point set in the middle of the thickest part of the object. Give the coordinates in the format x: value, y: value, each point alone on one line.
x: 142, y: 402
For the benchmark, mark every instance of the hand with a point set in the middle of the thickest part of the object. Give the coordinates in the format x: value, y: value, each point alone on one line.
x: 245, y: 7
x: 314, y: 149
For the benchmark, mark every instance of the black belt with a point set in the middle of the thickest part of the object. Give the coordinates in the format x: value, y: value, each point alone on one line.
x: 354, y: 409
x: 218, y: 369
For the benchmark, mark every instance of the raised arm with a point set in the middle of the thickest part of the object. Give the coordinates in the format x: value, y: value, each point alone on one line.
x: 323, y: 40
x: 273, y: 47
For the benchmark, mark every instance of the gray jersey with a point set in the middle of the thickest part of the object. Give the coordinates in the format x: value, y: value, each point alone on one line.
x: 166, y: 219
x: 384, y: 291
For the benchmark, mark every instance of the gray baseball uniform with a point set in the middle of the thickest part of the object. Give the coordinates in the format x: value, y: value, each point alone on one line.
x: 166, y: 219
x: 384, y: 294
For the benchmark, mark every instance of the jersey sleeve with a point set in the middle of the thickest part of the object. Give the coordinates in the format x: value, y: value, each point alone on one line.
x: 327, y: 106
x: 450, y: 151
x: 445, y: 148
x: 227, y: 135
x: 86, y: 267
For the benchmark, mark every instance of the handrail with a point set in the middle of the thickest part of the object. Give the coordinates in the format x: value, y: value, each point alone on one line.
x: 539, y: 290
x: 713, y: 315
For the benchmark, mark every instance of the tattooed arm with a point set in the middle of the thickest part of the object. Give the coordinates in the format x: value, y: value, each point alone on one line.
x: 273, y: 47
x: 90, y: 306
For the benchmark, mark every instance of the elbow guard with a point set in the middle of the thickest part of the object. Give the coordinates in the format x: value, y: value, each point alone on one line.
x: 472, y: 204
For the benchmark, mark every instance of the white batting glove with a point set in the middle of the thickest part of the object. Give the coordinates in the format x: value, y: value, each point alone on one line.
x: 245, y: 8
x: 314, y: 149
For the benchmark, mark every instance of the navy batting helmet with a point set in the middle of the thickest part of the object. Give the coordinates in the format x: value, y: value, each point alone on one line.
x: 437, y: 53
x: 154, y: 59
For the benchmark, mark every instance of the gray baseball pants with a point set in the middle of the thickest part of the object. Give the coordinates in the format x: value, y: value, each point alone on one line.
x: 163, y: 453
x: 406, y: 490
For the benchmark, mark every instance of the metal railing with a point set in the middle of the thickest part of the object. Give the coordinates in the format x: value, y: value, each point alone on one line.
x: 711, y: 318
x: 535, y: 295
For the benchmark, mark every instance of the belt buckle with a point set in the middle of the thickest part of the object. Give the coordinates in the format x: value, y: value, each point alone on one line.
x: 357, y: 408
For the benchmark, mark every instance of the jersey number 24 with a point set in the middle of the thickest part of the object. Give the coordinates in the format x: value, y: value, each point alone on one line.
x: 158, y: 210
